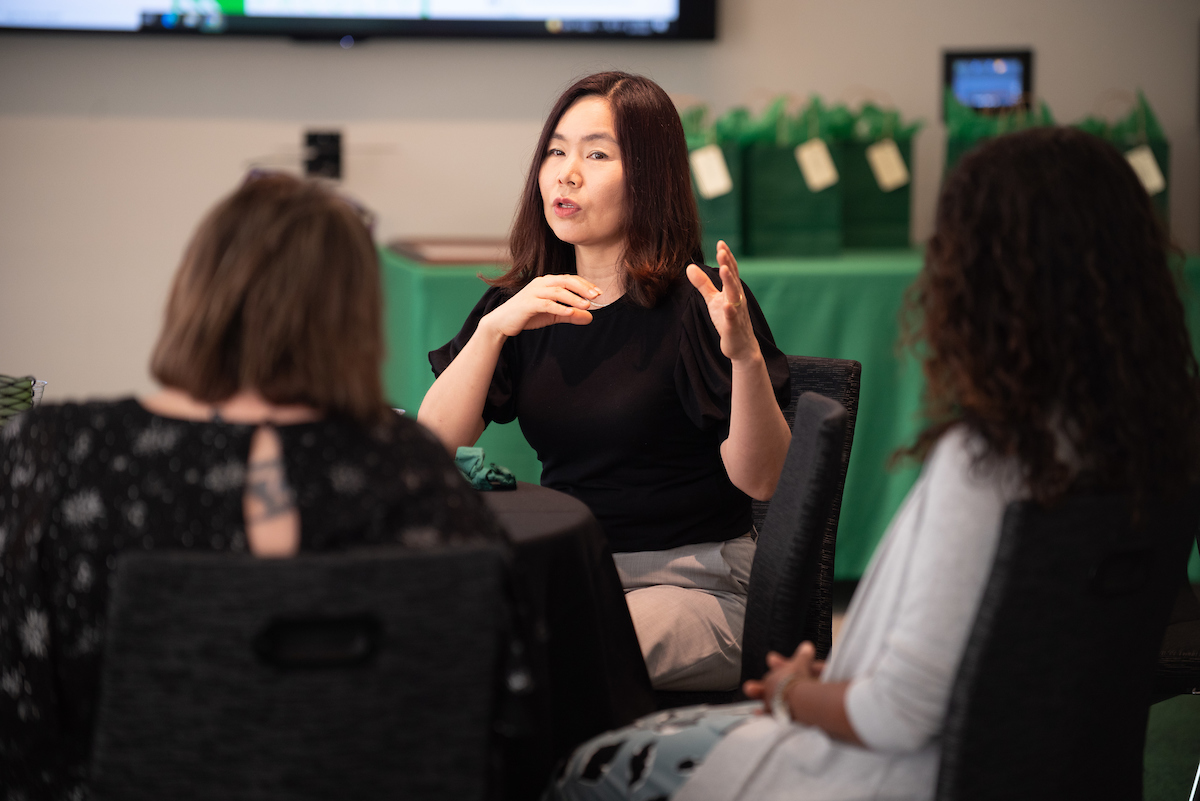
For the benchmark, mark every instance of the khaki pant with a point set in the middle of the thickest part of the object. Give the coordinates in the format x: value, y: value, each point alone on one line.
x: 688, y: 605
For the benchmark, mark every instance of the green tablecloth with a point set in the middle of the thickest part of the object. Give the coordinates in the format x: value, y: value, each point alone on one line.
x: 843, y: 307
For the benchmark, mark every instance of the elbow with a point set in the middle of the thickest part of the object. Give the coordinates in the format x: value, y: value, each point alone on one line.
x: 908, y: 743
x: 764, y: 492
x: 762, y: 484
x: 452, y: 435
x: 891, y: 734
x: 755, y: 474
x: 763, y: 489
x: 887, y: 724
x: 758, y: 484
x: 441, y: 431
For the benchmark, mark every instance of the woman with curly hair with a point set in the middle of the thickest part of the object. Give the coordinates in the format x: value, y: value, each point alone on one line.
x: 1057, y: 360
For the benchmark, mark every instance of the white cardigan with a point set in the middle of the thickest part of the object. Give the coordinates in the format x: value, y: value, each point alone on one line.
x: 900, y: 646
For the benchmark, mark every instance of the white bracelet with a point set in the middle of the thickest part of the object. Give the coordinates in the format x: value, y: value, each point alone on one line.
x: 780, y: 709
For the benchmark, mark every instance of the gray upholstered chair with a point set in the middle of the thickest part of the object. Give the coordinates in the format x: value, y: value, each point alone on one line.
x: 1052, y: 696
x: 782, y: 609
x: 839, y: 380
x: 362, y: 675
x: 785, y: 606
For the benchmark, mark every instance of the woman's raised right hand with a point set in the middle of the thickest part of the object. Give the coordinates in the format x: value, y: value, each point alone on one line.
x: 546, y: 300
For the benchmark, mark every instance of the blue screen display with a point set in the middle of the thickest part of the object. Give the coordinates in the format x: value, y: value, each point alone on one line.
x: 988, y: 82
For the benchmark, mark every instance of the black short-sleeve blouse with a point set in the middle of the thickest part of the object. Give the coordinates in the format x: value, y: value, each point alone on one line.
x: 628, y: 413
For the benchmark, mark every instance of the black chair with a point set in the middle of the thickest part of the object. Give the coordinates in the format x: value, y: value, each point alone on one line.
x: 363, y: 675
x: 790, y: 597
x: 838, y: 379
x: 1179, y: 657
x: 782, y: 609
x: 1052, y: 696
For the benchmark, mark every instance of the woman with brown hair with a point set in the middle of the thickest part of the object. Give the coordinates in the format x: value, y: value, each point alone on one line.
x: 647, y: 392
x: 271, y: 436
x: 1057, y: 360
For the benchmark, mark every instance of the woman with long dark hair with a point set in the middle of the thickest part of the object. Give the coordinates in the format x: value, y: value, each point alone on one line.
x: 1057, y: 360
x: 650, y: 387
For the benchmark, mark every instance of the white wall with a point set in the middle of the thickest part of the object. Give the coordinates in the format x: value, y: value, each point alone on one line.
x: 112, y: 148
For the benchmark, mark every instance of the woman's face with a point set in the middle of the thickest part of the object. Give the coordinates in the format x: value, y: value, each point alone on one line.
x: 582, y: 180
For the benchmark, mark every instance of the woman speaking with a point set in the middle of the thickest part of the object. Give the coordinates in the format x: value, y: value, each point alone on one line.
x: 650, y: 387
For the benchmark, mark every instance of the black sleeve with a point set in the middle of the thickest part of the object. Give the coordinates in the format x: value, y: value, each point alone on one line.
x: 703, y: 374
x: 32, y: 743
x: 393, y: 484
x: 500, y: 406
x: 442, y: 501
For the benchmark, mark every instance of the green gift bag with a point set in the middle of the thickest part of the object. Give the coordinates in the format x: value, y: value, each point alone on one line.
x: 965, y: 127
x: 1137, y: 129
x: 875, y: 216
x: 720, y: 215
x: 782, y: 215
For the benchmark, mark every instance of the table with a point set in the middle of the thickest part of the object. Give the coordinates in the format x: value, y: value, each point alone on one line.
x: 843, y: 307
x: 586, y: 652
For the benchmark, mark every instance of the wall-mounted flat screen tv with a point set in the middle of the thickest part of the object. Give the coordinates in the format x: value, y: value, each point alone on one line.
x: 336, y: 19
x: 989, y: 80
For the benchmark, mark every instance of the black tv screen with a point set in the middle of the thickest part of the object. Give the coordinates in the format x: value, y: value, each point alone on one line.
x: 336, y: 19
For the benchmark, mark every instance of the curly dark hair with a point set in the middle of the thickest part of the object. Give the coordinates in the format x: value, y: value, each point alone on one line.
x: 1048, y: 319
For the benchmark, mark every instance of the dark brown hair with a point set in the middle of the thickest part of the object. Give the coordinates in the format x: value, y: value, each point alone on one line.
x: 278, y: 292
x: 1047, y: 311
x: 662, y: 226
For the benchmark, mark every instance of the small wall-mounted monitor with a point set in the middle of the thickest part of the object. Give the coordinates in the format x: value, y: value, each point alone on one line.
x: 645, y: 20
x: 989, y: 80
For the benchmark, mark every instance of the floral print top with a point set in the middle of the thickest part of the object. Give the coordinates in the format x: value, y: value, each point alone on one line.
x: 80, y: 483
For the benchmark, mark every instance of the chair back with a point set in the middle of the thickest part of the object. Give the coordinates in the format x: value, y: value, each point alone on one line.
x: 368, y: 674
x: 1178, y: 670
x: 838, y: 379
x: 782, y: 609
x: 1052, y: 695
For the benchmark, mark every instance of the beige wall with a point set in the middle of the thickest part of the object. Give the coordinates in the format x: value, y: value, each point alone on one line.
x: 111, y: 148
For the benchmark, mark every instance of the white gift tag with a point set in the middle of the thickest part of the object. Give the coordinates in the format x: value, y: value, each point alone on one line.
x: 1141, y: 158
x: 711, y: 171
x: 816, y: 164
x: 887, y: 164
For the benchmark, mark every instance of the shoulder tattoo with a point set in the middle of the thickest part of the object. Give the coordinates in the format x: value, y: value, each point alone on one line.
x: 268, y: 491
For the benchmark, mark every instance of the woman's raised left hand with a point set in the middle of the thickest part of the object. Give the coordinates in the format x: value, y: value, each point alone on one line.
x: 727, y: 306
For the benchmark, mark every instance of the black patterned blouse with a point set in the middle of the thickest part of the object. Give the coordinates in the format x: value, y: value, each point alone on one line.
x: 80, y: 483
